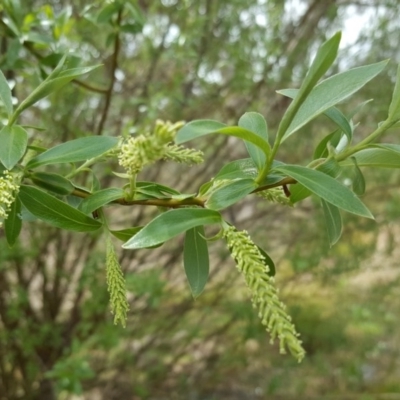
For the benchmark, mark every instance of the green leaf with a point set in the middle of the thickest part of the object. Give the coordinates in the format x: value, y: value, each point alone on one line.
x: 54, y: 211
x: 14, y: 140
x: 5, y: 94
x: 255, y: 123
x: 245, y: 168
x: 53, y: 182
x: 340, y: 120
x: 268, y: 262
x: 100, y: 199
x: 131, y: 28
x: 196, y: 260
x: 332, y: 113
x: 333, y: 221
x: 394, y: 108
x: 358, y: 179
x: 324, y: 58
x: 327, y: 188
x: 107, y: 12
x: 126, y: 234
x: 50, y: 85
x: 230, y: 193
x: 81, y: 149
x: 388, y: 146
x: 170, y: 224
x: 375, y: 157
x: 198, y: 128
x: 321, y: 151
x: 298, y: 192
x: 238, y: 169
x: 332, y: 91
x: 13, y: 223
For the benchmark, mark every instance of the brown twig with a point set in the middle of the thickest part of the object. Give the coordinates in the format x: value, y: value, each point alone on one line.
x: 114, y: 65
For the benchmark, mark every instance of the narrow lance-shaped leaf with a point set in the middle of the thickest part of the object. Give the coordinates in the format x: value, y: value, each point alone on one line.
x: 321, y: 150
x: 13, y: 223
x: 332, y: 91
x: 55, y: 212
x: 230, y: 194
x: 196, y: 260
x: 327, y: 188
x: 375, y: 157
x: 255, y: 123
x: 268, y: 262
x: 238, y: 169
x: 76, y: 150
x: 332, y: 113
x: 13, y: 140
x: 358, y: 179
x: 333, y: 221
x: 394, y: 108
x: 50, y: 85
x: 52, y: 182
x: 170, y: 224
x: 5, y: 94
x: 324, y: 58
x: 99, y: 199
x: 196, y: 129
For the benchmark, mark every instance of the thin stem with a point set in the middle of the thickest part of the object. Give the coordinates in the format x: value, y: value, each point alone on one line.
x: 132, y: 186
x: 86, y: 164
x: 114, y: 65
x: 176, y: 203
x: 364, y: 143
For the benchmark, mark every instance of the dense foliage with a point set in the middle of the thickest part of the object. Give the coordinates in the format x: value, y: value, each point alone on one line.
x: 87, y: 182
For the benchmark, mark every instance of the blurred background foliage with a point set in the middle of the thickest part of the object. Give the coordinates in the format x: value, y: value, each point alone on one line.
x: 182, y: 60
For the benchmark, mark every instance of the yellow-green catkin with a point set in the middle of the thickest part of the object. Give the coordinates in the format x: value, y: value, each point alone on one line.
x: 271, y: 310
x: 275, y: 195
x: 147, y: 148
x: 9, y: 187
x: 116, y: 286
x: 181, y: 154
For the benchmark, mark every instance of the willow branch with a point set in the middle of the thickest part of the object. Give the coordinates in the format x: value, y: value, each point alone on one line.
x: 114, y: 65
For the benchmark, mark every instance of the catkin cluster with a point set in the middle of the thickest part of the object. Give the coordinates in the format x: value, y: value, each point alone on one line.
x: 271, y: 310
x: 8, y: 190
x: 145, y: 149
x: 116, y: 286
